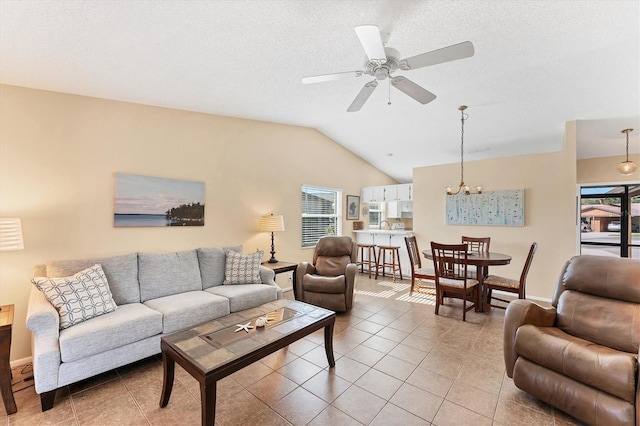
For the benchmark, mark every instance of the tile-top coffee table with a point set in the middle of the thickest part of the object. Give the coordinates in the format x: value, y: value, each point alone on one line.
x: 216, y: 349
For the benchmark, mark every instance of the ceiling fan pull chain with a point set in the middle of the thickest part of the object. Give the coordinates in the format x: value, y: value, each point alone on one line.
x: 389, y: 103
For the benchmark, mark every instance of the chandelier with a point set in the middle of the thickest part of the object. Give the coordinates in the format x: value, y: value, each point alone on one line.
x: 462, y: 187
x: 627, y: 167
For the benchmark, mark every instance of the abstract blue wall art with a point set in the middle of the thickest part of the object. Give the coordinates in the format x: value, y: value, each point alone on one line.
x: 499, y: 208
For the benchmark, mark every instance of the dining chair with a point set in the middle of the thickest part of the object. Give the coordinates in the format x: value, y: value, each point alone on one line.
x: 495, y: 282
x: 450, y: 262
x: 476, y: 245
x: 418, y: 273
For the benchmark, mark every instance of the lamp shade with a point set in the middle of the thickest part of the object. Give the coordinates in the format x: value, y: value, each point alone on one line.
x: 11, y: 234
x: 272, y: 223
x: 627, y: 168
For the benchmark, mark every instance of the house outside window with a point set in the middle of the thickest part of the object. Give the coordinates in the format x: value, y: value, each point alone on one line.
x: 375, y: 215
x: 321, y: 214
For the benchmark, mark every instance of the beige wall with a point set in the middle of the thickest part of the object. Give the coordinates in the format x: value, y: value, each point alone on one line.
x: 59, y: 153
x: 549, y: 181
x: 603, y: 170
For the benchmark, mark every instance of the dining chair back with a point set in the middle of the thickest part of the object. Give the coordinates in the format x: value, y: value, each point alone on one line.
x: 418, y: 273
x: 476, y: 245
x: 496, y: 282
x: 450, y: 263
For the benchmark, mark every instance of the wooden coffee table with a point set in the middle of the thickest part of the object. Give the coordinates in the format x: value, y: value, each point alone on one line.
x: 214, y: 350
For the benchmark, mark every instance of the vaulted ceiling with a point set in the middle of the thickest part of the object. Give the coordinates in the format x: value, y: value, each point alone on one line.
x: 537, y: 64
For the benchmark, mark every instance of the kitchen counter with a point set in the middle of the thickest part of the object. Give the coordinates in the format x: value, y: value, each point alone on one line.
x: 385, y: 231
x: 389, y: 237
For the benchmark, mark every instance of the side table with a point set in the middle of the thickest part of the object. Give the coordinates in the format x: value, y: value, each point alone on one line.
x: 281, y: 267
x: 6, y: 321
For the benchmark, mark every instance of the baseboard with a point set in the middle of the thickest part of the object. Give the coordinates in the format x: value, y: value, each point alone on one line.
x: 514, y: 296
x: 21, y: 362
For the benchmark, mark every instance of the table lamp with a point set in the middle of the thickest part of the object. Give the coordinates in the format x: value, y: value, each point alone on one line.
x: 272, y: 223
x: 10, y: 234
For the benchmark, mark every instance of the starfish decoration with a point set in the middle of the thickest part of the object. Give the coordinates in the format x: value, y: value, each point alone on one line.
x: 244, y: 327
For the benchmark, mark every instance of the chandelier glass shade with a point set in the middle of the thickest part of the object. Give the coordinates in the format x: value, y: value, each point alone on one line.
x: 463, y: 187
x: 627, y: 167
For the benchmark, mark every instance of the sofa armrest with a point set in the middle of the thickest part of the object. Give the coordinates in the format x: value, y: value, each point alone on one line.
x: 267, y: 276
x: 520, y: 312
x: 303, y: 268
x: 44, y: 322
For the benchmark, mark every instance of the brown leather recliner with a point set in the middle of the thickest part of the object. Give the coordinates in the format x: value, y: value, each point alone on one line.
x: 329, y: 281
x: 581, y: 355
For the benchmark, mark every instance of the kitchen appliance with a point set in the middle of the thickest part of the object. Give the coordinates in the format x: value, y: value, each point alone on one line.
x: 397, y: 226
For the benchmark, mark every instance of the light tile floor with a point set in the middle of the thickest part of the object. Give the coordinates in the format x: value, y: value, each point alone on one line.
x: 396, y: 364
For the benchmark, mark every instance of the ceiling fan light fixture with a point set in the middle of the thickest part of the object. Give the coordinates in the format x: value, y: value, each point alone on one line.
x: 381, y: 62
x: 627, y: 168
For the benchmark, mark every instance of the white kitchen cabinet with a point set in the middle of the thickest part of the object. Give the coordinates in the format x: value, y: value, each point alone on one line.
x: 400, y: 209
x: 372, y: 194
x: 404, y: 192
x: 380, y: 194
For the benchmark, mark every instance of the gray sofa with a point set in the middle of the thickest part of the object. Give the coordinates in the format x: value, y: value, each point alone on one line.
x: 155, y: 293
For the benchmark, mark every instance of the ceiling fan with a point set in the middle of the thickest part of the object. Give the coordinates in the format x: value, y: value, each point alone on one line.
x: 381, y: 62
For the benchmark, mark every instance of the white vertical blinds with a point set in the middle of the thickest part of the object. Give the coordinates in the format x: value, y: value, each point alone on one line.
x: 321, y: 209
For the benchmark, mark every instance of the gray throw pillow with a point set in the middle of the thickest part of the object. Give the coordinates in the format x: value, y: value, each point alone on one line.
x: 243, y: 268
x: 80, y: 297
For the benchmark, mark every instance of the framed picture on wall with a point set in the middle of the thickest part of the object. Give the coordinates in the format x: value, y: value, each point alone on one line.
x: 353, y: 207
x: 155, y: 201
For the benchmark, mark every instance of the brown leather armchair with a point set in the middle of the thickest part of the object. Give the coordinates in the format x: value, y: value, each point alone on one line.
x: 581, y: 355
x: 329, y: 281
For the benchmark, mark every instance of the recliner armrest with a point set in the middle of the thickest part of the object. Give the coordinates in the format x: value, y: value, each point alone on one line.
x: 303, y: 268
x: 520, y: 312
x: 350, y: 278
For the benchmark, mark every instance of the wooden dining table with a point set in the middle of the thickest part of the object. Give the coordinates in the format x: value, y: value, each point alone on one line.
x: 482, y: 261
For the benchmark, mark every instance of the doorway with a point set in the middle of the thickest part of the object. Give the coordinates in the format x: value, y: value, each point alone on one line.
x: 610, y: 220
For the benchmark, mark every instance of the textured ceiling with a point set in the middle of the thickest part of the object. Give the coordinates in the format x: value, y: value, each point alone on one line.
x: 537, y: 64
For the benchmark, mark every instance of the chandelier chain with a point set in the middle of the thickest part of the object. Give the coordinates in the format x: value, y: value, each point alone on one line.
x: 462, y: 118
x: 627, y: 145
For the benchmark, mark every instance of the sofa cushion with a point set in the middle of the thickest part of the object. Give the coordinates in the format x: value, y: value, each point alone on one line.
x: 128, y: 324
x: 80, y: 297
x: 598, y: 366
x: 242, y: 268
x: 164, y: 274
x: 212, y: 262
x: 321, y: 284
x: 121, y: 272
x: 185, y: 310
x: 246, y: 296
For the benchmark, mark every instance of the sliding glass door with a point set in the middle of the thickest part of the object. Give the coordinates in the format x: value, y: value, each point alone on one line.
x: 610, y: 220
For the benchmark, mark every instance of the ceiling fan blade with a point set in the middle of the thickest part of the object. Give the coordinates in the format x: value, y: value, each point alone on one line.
x: 439, y: 56
x: 371, y: 41
x: 331, y: 77
x: 362, y: 97
x: 411, y: 89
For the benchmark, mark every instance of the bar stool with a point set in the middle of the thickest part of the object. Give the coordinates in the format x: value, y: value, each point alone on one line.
x: 394, y: 257
x: 370, y: 257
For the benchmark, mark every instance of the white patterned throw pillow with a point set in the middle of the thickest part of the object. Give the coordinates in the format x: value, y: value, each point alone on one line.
x: 242, y: 268
x: 79, y: 297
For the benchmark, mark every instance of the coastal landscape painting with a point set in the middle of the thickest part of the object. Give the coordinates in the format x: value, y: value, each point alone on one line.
x: 154, y: 201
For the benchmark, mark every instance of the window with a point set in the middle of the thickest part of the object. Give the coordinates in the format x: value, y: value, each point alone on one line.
x: 375, y: 214
x: 610, y: 220
x: 321, y: 216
